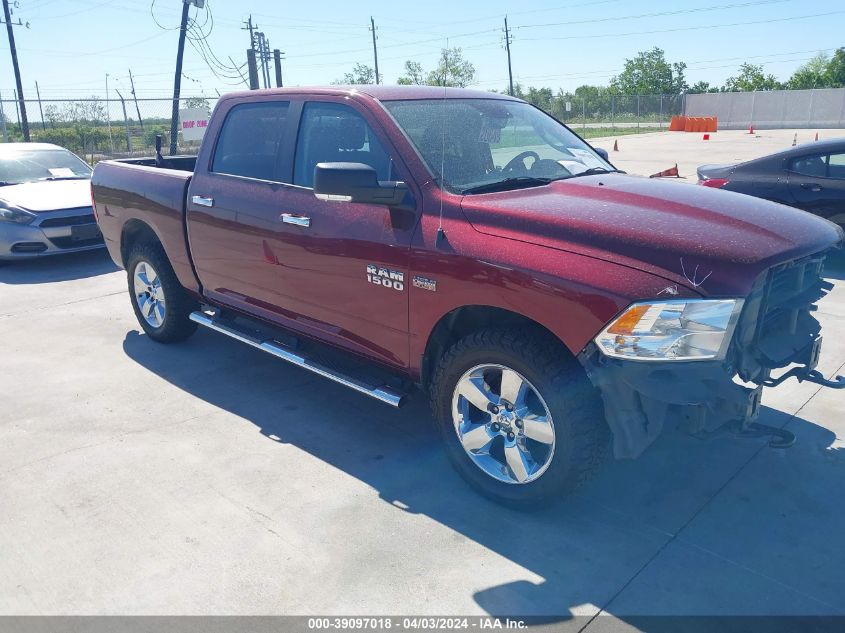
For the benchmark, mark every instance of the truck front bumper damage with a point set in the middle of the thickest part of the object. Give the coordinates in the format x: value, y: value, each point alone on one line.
x: 776, y: 332
x: 699, y: 397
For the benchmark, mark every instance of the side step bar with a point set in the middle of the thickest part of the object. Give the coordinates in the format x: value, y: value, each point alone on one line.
x: 383, y: 393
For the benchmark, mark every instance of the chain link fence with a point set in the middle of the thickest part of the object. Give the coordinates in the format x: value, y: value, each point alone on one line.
x: 647, y: 112
x: 96, y: 129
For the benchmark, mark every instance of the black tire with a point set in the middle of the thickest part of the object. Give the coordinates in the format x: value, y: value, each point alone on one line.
x: 580, y: 431
x: 175, y: 326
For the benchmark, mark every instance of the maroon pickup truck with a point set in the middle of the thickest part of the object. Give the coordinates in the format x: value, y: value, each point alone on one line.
x: 468, y: 244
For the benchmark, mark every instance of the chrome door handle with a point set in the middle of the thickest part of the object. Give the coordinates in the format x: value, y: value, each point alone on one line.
x: 812, y: 186
x: 296, y: 220
x: 202, y: 201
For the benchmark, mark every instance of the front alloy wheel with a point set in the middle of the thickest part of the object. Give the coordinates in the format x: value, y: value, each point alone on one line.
x: 503, y: 424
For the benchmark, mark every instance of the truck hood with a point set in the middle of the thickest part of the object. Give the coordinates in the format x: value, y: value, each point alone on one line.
x: 714, y: 242
x: 48, y: 195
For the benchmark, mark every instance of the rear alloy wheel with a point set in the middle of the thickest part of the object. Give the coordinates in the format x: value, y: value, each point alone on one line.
x: 503, y: 424
x: 162, y: 306
x: 149, y: 295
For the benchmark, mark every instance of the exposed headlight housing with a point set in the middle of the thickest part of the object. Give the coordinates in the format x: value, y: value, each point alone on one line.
x: 678, y: 329
x: 11, y: 213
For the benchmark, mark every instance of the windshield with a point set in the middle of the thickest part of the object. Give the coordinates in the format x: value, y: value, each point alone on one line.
x: 28, y: 165
x: 480, y: 142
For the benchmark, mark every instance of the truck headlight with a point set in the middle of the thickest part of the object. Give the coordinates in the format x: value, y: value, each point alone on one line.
x: 11, y: 213
x: 679, y: 329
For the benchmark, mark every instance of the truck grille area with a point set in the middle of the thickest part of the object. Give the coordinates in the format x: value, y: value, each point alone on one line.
x: 777, y: 327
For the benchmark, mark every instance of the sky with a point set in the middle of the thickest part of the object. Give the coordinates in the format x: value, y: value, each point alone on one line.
x: 71, y: 45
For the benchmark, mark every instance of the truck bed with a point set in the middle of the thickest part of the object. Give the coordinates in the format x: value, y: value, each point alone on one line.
x: 135, y: 194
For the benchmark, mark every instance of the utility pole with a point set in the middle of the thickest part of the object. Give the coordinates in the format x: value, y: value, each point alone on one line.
x: 40, y: 109
x: 277, y: 58
x: 375, y: 49
x: 253, y: 69
x: 135, y: 97
x: 14, y: 51
x: 3, y: 122
x: 125, y: 122
x: 508, y: 48
x: 177, y: 79
x: 108, y: 115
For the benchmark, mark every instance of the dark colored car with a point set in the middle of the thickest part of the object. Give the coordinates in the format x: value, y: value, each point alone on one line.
x: 466, y: 243
x: 809, y: 176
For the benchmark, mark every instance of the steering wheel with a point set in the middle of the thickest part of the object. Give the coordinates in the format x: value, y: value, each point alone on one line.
x: 519, y: 159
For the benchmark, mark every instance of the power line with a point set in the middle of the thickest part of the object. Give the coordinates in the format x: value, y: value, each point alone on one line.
x: 686, y: 28
x: 656, y: 14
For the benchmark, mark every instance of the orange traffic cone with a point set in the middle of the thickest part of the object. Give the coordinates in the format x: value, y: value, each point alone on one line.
x: 795, y: 140
x: 672, y: 172
x: 751, y: 129
x: 615, y: 146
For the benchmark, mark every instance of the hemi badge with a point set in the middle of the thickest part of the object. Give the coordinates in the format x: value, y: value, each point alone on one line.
x: 425, y: 283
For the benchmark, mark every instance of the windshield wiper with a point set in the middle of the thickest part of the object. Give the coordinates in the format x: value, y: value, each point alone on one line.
x: 593, y: 171
x: 64, y: 178
x: 517, y: 182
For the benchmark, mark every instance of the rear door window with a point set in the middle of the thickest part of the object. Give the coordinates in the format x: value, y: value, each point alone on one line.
x: 336, y: 133
x: 813, y: 165
x: 250, y: 141
x: 836, y: 166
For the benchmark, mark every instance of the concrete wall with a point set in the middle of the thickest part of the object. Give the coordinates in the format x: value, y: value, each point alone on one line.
x: 822, y: 108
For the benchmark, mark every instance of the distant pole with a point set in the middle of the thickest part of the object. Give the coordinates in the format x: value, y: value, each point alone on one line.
x: 177, y: 78
x: 125, y: 122
x: 14, y: 51
x: 108, y: 115
x: 375, y: 48
x: 508, y: 48
x: 3, y: 121
x: 135, y: 97
x: 40, y: 109
x: 253, y: 69
x: 277, y: 59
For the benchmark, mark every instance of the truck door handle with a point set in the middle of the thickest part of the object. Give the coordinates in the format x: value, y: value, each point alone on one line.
x: 202, y: 201
x: 812, y: 186
x: 296, y: 220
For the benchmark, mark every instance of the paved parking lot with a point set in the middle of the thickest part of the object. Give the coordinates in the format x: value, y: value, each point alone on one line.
x: 651, y: 152
x: 207, y: 477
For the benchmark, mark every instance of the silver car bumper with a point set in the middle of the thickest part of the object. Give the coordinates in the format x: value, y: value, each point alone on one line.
x: 51, y: 233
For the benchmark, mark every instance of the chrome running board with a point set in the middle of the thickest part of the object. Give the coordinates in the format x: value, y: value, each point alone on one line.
x: 382, y: 393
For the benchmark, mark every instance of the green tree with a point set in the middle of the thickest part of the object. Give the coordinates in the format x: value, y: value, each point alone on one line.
x: 414, y: 75
x: 650, y: 73
x: 702, y: 86
x: 834, y: 74
x: 361, y: 74
x: 452, y: 70
x: 810, y: 75
x: 751, y: 77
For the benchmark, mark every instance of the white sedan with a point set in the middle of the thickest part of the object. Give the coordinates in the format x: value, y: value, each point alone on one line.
x: 45, y: 202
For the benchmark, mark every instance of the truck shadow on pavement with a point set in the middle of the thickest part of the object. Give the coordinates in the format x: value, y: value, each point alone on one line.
x: 67, y: 267
x: 729, y: 526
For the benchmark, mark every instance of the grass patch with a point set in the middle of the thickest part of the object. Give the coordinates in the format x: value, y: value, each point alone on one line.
x: 594, y: 132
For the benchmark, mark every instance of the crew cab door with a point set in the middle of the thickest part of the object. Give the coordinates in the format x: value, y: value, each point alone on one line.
x: 344, y: 267
x: 234, y: 202
x: 817, y: 183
